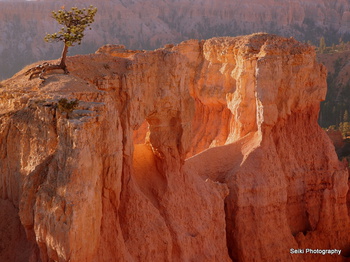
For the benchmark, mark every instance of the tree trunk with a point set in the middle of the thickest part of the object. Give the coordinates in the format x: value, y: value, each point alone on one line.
x: 63, y: 59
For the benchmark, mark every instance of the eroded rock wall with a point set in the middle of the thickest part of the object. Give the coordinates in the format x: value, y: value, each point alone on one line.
x: 204, y: 151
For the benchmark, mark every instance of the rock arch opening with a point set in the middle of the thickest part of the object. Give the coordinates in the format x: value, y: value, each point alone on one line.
x: 146, y: 173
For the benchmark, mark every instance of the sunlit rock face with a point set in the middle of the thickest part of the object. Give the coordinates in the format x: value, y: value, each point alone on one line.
x: 203, y: 151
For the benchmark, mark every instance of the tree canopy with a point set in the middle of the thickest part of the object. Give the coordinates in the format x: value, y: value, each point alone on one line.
x: 74, y: 24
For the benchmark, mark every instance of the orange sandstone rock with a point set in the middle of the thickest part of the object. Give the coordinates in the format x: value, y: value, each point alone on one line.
x: 204, y: 151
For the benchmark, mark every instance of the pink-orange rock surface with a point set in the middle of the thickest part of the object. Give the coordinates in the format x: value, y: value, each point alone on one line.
x: 204, y: 151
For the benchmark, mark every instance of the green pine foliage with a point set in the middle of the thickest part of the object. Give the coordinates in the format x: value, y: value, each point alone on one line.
x: 74, y: 24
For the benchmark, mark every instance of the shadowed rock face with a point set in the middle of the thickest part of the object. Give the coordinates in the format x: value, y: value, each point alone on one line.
x: 204, y: 151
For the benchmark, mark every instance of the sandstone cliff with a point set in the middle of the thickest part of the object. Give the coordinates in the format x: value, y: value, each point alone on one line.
x: 145, y: 24
x: 204, y: 151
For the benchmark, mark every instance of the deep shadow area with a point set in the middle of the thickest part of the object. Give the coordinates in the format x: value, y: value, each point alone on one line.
x: 14, y: 246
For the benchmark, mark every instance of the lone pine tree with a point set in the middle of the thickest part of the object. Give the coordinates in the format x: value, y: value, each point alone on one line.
x: 74, y: 22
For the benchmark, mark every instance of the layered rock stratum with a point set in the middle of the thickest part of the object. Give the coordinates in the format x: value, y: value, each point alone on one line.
x: 204, y: 151
x: 145, y: 24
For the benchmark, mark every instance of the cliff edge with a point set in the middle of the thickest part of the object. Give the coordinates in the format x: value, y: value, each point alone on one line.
x: 204, y: 151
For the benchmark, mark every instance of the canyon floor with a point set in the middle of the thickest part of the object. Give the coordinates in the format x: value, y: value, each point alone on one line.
x: 203, y: 151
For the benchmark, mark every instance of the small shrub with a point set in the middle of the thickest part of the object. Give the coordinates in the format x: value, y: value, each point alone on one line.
x: 65, y: 106
x: 106, y: 66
